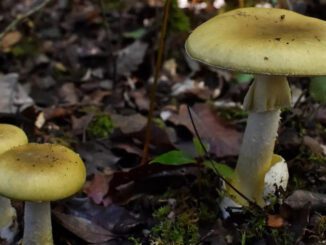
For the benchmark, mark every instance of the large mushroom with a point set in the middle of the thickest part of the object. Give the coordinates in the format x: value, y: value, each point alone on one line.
x: 271, y: 44
x: 39, y: 174
x: 10, y: 136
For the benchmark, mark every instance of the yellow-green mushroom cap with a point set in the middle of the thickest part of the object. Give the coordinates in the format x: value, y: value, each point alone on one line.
x: 262, y: 41
x: 40, y: 172
x: 11, y: 136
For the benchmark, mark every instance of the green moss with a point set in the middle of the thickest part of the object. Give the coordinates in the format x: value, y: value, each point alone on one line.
x: 100, y: 127
x: 177, y: 222
x: 283, y: 236
x: 174, y: 228
x: 255, y: 228
x: 135, y: 241
x: 317, y: 159
x: 178, y: 20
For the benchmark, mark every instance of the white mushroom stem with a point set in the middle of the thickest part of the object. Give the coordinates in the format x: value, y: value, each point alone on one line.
x: 266, y: 95
x: 37, y: 224
x: 256, y: 153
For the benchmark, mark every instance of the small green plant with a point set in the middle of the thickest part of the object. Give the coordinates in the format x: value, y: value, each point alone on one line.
x: 100, y: 127
x: 178, y: 20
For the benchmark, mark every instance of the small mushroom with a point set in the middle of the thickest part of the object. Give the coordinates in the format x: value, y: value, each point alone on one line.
x: 10, y: 136
x: 39, y: 174
x: 272, y: 44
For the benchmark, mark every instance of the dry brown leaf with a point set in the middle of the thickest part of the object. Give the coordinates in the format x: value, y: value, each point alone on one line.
x: 223, y: 139
x: 83, y: 228
x: 97, y: 188
x: 313, y: 145
x: 10, y: 39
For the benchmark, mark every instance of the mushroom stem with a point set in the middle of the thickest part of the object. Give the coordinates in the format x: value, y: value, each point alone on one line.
x: 37, y: 224
x: 256, y: 153
x: 266, y: 95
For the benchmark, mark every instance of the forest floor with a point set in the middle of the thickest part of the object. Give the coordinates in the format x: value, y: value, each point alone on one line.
x: 79, y: 73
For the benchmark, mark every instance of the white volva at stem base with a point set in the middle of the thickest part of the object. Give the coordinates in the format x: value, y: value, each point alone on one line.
x: 277, y: 177
x: 256, y: 153
x: 37, y: 224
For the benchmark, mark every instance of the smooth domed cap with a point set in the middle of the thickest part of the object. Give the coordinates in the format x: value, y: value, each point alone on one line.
x: 40, y: 172
x: 11, y: 136
x: 262, y: 41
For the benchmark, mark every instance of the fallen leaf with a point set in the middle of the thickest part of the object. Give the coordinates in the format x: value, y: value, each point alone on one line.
x: 313, y: 145
x: 129, y: 124
x: 97, y: 188
x: 10, y: 39
x: 13, y: 96
x: 131, y: 57
x: 80, y: 124
x: 113, y: 218
x: 97, y: 156
x: 68, y: 94
x: 83, y: 228
x: 141, y: 99
x: 56, y: 112
x: 222, y: 138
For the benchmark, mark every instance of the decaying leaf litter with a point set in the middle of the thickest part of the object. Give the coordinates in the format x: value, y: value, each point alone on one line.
x: 78, y: 73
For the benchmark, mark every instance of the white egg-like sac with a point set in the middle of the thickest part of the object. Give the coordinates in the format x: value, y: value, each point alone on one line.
x: 277, y: 177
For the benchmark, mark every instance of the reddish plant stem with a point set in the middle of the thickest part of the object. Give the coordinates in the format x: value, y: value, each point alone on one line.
x: 157, y: 70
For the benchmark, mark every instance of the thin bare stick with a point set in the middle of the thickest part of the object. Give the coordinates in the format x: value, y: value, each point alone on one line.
x: 158, y: 66
x: 21, y: 17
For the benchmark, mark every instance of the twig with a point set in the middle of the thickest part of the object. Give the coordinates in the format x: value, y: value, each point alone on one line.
x: 158, y: 65
x: 21, y: 17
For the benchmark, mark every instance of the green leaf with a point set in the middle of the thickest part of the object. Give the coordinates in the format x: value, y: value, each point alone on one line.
x: 242, y: 78
x: 317, y: 89
x: 174, y: 158
x: 220, y: 169
x: 136, y: 34
x: 198, y: 147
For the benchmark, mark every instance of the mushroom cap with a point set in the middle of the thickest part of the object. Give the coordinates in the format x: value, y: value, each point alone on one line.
x: 262, y: 41
x: 11, y: 136
x: 40, y: 172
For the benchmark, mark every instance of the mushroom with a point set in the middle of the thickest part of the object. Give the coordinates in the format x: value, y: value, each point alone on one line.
x: 10, y: 136
x: 271, y: 44
x: 39, y: 174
